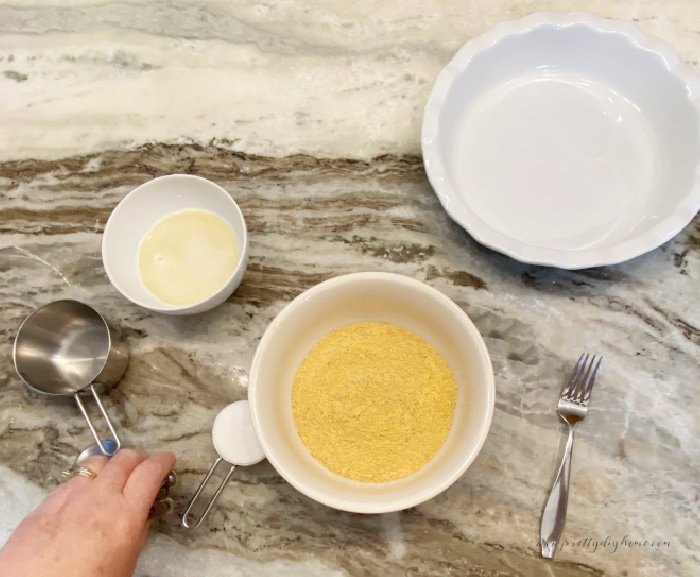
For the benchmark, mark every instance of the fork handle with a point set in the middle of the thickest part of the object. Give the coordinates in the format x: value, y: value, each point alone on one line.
x: 554, y: 513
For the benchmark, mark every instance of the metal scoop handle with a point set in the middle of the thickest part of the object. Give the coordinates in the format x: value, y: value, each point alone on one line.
x: 186, y: 523
x: 105, y: 416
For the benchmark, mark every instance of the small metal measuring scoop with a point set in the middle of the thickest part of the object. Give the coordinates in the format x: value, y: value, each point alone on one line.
x: 65, y: 348
x: 236, y: 443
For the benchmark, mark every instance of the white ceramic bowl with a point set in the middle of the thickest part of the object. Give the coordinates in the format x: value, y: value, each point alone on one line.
x: 369, y: 297
x: 142, y: 208
x: 566, y: 140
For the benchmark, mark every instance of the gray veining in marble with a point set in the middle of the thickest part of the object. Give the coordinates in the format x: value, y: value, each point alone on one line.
x: 343, y: 84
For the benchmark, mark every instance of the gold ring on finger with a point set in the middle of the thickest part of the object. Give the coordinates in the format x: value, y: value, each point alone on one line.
x: 79, y: 471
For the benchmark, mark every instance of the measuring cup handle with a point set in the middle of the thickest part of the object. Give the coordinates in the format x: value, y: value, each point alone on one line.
x: 105, y: 416
x: 186, y: 523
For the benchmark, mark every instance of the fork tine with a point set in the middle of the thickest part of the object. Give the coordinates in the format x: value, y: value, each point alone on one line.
x: 583, y: 381
x: 591, y: 382
x: 572, y: 383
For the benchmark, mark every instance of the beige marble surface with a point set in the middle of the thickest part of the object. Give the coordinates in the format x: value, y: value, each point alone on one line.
x: 277, y: 77
x: 288, y: 105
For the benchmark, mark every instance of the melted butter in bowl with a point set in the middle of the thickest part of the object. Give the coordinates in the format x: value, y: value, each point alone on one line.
x: 176, y: 245
x: 188, y: 256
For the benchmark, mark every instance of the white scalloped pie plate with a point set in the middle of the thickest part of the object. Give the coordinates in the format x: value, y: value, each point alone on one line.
x: 566, y: 140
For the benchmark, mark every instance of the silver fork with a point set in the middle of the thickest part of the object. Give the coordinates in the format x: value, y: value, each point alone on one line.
x: 572, y: 408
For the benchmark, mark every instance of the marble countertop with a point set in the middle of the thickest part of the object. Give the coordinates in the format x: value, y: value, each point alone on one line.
x: 308, y: 113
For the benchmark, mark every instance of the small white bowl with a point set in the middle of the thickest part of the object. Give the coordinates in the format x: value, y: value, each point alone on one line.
x: 142, y: 208
x: 353, y: 298
x: 566, y: 140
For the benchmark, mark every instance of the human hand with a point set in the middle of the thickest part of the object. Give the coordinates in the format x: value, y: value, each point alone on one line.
x: 90, y: 527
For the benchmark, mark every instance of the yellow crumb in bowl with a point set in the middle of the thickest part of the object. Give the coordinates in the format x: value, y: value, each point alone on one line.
x: 373, y: 401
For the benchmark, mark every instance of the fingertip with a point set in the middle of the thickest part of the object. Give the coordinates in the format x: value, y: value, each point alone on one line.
x: 146, y: 480
x: 165, y: 460
x: 168, y: 457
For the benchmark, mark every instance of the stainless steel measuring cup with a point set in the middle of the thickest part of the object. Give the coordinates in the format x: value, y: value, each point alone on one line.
x: 66, y: 348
